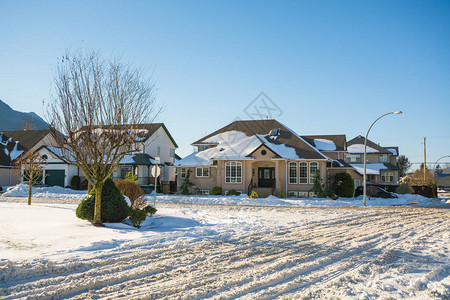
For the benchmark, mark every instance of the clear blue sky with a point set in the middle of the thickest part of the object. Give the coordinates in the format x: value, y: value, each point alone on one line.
x: 332, y: 67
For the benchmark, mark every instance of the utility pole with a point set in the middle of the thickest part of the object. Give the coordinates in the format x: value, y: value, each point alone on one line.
x: 424, y: 160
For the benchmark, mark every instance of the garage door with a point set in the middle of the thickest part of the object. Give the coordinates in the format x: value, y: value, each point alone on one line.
x: 54, y: 177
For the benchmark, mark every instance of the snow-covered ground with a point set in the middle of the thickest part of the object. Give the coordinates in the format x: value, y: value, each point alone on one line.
x: 192, y: 249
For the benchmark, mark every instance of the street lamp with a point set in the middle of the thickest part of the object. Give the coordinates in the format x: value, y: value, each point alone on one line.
x: 365, y: 152
x: 434, y: 166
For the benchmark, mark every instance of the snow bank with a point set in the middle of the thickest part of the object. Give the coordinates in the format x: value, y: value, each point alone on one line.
x: 53, y: 192
x: 307, y: 202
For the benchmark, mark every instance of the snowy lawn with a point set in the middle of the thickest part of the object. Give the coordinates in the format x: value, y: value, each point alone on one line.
x: 227, y: 252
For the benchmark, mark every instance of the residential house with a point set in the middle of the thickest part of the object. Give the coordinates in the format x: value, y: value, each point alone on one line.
x: 154, y: 141
x: 260, y: 155
x: 381, y: 162
x: 10, y: 150
x: 33, y: 139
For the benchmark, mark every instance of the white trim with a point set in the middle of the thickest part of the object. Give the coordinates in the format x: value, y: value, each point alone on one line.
x: 309, y: 173
x: 203, y: 172
x: 238, y: 163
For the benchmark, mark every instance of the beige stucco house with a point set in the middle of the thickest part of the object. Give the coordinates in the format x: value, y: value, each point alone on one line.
x: 263, y: 156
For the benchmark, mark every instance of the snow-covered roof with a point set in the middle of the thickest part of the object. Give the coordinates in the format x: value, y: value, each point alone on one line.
x: 325, y: 145
x: 373, y: 168
x: 359, y: 148
x: 9, y: 150
x: 393, y: 151
x: 237, y: 145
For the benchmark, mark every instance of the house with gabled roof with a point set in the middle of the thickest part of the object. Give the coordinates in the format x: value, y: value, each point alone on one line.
x: 260, y: 155
x: 154, y: 140
x: 10, y: 151
x: 381, y: 162
x: 33, y: 139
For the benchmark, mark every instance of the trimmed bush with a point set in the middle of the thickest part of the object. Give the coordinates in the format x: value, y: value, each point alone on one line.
x: 404, y: 188
x: 150, y: 210
x: 75, y: 182
x: 254, y: 195
x: 132, y: 190
x: 343, y: 185
x: 233, y: 192
x: 114, y: 208
x: 217, y: 190
x: 282, y: 195
x: 137, y: 216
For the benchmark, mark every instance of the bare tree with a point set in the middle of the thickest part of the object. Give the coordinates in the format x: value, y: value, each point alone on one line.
x: 98, y: 106
x: 30, y: 168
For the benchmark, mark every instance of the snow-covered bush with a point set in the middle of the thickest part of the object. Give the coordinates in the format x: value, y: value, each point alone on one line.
x: 137, y: 216
x: 217, y: 190
x: 114, y: 208
x: 404, y: 188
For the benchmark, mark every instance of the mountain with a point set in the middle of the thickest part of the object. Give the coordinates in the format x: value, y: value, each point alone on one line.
x: 11, y: 119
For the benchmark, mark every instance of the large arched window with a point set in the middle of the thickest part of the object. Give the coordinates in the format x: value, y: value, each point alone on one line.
x: 233, y: 172
x: 313, y: 167
x: 303, y: 172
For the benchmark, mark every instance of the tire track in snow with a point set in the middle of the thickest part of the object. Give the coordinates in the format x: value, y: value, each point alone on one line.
x: 236, y: 267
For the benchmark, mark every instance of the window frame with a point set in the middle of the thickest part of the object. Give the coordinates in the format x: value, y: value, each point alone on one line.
x: 389, y: 175
x: 384, y: 156
x: 130, y: 169
x: 183, y: 173
x: 293, y: 167
x: 300, y: 165
x: 311, y: 174
x: 202, y: 175
x: 229, y: 169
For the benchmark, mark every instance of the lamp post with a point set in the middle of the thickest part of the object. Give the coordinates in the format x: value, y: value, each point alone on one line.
x: 434, y: 166
x: 365, y: 152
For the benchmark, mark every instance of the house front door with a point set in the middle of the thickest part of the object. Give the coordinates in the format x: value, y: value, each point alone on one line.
x: 266, y: 177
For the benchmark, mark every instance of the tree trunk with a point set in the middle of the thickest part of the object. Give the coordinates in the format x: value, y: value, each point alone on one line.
x: 30, y: 186
x: 98, y: 205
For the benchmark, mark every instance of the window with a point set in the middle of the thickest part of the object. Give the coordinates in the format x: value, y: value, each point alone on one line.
x: 357, y: 183
x: 303, y: 194
x: 387, y: 177
x: 292, y: 172
x: 158, y: 150
x: 202, y: 172
x: 183, y: 173
x: 172, y: 152
x: 204, y: 192
x: 313, y: 167
x: 124, y: 170
x: 203, y: 147
x: 353, y: 157
x: 383, y: 158
x: 233, y: 172
x: 292, y: 194
x: 303, y: 172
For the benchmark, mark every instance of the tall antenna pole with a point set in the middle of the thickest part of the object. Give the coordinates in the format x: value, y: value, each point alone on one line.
x: 424, y: 160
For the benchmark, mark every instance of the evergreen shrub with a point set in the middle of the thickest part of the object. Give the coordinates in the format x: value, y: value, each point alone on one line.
x: 217, y: 190
x: 404, y: 188
x: 114, y: 208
